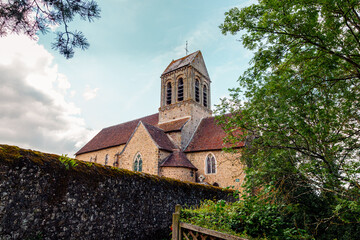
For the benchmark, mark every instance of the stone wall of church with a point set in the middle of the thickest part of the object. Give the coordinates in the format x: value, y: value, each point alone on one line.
x: 175, y: 137
x: 229, y: 170
x: 198, y: 113
x: 180, y: 110
x: 41, y: 198
x: 100, y: 155
x: 141, y: 143
x: 180, y: 173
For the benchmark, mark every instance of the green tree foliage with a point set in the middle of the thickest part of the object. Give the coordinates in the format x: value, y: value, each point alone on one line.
x: 31, y: 16
x: 298, y: 106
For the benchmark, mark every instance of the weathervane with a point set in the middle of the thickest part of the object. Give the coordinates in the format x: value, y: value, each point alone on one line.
x: 186, y: 48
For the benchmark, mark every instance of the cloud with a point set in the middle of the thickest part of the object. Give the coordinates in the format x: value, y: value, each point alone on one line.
x: 34, y: 111
x: 90, y: 93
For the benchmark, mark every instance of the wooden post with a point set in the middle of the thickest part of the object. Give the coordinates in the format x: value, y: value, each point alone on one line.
x: 176, y: 235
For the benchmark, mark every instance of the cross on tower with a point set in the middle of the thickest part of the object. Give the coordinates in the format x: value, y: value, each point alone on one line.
x: 186, y: 48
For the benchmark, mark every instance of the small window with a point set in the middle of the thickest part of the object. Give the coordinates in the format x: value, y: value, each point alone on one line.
x: 168, y: 93
x: 210, y: 164
x: 106, y: 159
x: 91, y: 159
x: 95, y: 158
x: 116, y: 162
x: 197, y: 97
x: 180, y: 90
x: 205, y: 96
x: 138, y: 163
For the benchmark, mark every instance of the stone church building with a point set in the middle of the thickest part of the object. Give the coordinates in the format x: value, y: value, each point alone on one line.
x: 181, y: 141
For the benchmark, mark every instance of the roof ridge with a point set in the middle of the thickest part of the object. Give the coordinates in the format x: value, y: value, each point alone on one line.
x: 177, y: 119
x: 180, y: 62
x: 193, y: 134
x: 158, y: 141
x: 137, y: 119
x: 152, y: 126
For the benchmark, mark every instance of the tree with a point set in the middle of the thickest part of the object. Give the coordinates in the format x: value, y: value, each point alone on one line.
x: 300, y: 110
x: 29, y: 17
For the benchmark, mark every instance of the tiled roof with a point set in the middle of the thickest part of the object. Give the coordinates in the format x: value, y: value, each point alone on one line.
x: 177, y: 159
x: 175, y: 125
x: 116, y: 135
x: 161, y: 139
x: 181, y: 62
x: 208, y: 136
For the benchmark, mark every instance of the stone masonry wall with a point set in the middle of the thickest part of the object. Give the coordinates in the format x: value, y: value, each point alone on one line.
x: 100, y: 155
x: 142, y: 143
x: 43, y: 198
x: 229, y: 170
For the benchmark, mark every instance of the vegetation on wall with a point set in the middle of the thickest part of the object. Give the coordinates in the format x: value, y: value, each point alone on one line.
x: 297, y: 107
x: 15, y: 156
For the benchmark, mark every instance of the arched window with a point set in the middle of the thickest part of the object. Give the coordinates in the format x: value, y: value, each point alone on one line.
x: 138, y: 163
x: 210, y: 164
x: 116, y: 162
x: 106, y: 159
x: 90, y: 159
x: 168, y: 93
x: 197, y: 91
x: 180, y: 90
x: 205, y: 96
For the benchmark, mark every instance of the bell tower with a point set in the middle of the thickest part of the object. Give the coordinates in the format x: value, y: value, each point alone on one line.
x: 185, y: 94
x: 185, y: 89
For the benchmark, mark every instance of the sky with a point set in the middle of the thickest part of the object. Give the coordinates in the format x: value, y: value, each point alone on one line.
x: 55, y: 105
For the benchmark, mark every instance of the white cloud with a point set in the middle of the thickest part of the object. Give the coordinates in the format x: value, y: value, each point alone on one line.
x: 90, y: 93
x: 34, y: 110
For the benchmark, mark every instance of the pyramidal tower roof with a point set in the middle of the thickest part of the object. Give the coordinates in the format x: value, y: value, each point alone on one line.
x: 186, y: 61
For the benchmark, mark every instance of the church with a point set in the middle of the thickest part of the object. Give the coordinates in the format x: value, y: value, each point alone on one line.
x: 181, y: 140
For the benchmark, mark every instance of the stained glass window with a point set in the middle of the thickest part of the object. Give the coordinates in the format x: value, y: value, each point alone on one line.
x: 138, y: 163
x: 210, y: 164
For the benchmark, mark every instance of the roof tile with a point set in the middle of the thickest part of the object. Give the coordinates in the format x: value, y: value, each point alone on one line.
x: 177, y: 159
x: 161, y: 139
x: 181, y: 62
x: 175, y: 125
x: 116, y: 135
x: 208, y: 136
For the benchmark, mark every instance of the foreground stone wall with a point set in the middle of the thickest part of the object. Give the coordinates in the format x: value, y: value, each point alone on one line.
x: 43, y: 198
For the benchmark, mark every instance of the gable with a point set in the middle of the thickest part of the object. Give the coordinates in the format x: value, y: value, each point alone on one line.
x: 195, y: 60
x: 140, y: 140
x: 141, y: 143
x: 116, y: 135
x: 199, y: 64
x: 181, y: 62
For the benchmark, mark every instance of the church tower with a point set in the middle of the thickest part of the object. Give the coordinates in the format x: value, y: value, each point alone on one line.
x: 185, y: 93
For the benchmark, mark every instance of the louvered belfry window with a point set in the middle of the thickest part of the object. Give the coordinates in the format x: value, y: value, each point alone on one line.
x: 205, y: 96
x: 168, y: 93
x: 197, y: 92
x: 180, y: 90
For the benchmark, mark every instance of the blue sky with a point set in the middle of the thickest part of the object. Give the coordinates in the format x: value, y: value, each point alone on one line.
x: 118, y: 78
